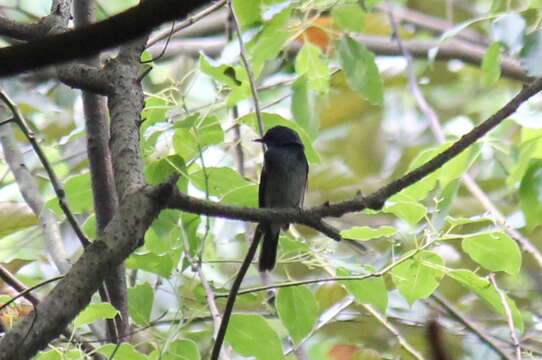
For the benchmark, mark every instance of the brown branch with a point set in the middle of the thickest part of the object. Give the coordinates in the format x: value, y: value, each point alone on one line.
x: 102, y: 182
x: 21, y: 30
x: 92, y: 39
x: 73, y: 292
x: 450, y: 49
x: 430, y: 22
x: 26, y: 292
x: 380, y: 45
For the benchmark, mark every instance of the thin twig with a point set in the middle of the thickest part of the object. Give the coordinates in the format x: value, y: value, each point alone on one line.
x: 234, y: 291
x: 470, y: 325
x: 248, y: 68
x: 215, y: 314
x: 21, y: 122
x: 28, y: 186
x: 12, y: 281
x: 25, y: 292
x: 324, y: 319
x: 187, y: 22
x: 380, y: 273
x: 509, y: 317
x: 436, y: 127
x: 402, y: 341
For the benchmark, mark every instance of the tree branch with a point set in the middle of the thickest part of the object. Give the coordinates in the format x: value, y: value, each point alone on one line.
x: 102, y: 181
x: 92, y: 39
x: 232, y: 296
x: 313, y: 216
x: 123, y: 234
x: 21, y: 122
x: 449, y: 49
x: 28, y: 186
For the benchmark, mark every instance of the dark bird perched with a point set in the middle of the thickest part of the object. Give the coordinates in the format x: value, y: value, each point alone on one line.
x: 282, y: 184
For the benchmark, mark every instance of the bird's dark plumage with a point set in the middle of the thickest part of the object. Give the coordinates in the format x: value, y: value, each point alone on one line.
x: 282, y: 184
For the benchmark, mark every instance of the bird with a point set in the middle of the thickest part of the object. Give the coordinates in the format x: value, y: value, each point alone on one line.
x: 283, y: 182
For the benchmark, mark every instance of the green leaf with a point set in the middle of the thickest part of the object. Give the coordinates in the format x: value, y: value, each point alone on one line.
x: 89, y: 227
x: 140, y: 300
x: 209, y: 132
x: 79, y: 193
x: 309, y: 62
x: 298, y: 311
x: 233, y: 76
x: 179, y: 349
x: 530, y: 148
x: 189, y: 228
x: 449, y: 172
x: 247, y: 12
x: 185, y: 144
x: 220, y: 180
x: 483, y: 288
x: 271, y: 38
x: 162, y: 237
x: 496, y: 6
x: 454, y: 168
x: 410, y: 211
x: 457, y: 221
x: 94, y: 312
x: 304, y: 107
x: 155, y: 111
x: 367, y: 291
x: 349, y: 17
x: 14, y: 217
x: 251, y: 335
x: 530, y: 194
x: 195, y: 132
x: 416, y: 278
x: 367, y: 233
x: 421, y: 188
x: 245, y: 196
x: 491, y: 64
x: 158, y: 264
x: 361, y: 70
x: 21, y: 245
x: 270, y: 120
x: 49, y: 355
x: 509, y: 29
x: 495, y: 251
x: 157, y: 171
x: 453, y: 31
x: 123, y: 351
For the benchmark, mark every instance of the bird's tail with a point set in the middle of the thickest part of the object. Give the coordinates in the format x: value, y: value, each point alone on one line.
x: 268, y: 252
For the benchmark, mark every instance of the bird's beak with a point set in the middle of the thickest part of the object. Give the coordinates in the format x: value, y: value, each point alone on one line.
x: 258, y: 140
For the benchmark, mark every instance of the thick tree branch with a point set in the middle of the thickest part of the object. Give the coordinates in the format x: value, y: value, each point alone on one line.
x: 21, y: 30
x: 103, y: 184
x: 123, y: 234
x: 92, y: 39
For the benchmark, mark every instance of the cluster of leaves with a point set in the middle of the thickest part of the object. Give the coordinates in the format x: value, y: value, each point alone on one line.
x: 361, y: 129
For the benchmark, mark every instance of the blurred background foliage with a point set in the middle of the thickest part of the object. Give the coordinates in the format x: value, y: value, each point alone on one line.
x: 362, y: 127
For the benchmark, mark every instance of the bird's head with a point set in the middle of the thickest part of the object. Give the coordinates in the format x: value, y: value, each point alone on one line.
x: 280, y: 136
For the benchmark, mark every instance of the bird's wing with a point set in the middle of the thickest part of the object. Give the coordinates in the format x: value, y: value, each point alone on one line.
x: 306, y: 164
x: 261, y: 190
